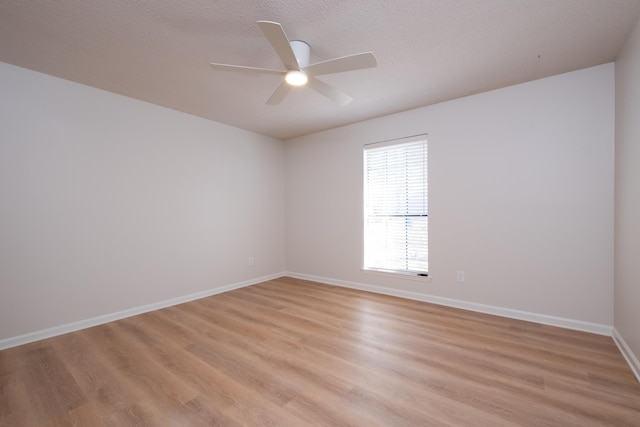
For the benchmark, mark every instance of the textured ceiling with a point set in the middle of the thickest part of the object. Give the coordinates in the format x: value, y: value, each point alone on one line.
x: 428, y: 51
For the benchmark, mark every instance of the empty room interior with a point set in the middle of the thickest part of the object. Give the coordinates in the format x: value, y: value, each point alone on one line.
x: 188, y: 236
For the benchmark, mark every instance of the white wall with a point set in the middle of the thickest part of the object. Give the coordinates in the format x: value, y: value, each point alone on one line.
x: 108, y: 203
x: 627, y: 201
x: 520, y: 194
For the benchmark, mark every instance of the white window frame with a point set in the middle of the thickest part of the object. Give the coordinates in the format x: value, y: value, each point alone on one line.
x: 395, y: 184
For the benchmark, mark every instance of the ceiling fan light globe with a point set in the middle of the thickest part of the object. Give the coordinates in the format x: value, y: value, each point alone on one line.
x: 296, y: 78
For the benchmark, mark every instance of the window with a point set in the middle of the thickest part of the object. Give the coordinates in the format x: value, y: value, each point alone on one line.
x: 395, y: 206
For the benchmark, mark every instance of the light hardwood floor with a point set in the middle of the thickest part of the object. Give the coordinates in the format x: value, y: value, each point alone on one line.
x: 294, y: 353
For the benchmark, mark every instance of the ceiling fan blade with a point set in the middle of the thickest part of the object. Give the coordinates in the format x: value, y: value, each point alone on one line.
x: 329, y: 91
x: 280, y: 93
x: 278, y: 39
x: 345, y: 63
x: 252, y: 70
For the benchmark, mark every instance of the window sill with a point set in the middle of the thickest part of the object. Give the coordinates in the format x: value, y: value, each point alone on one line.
x: 397, y: 275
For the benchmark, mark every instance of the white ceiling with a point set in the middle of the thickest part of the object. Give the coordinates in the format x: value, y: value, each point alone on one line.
x: 428, y: 51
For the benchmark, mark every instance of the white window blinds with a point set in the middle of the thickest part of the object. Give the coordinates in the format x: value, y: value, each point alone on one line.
x: 395, y: 206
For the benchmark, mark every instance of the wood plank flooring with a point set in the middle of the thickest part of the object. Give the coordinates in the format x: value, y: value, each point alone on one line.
x: 294, y: 353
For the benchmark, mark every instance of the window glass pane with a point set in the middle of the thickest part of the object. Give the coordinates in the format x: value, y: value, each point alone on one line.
x: 396, y: 218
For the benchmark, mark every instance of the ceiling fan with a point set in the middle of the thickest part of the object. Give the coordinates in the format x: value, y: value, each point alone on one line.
x: 295, y: 57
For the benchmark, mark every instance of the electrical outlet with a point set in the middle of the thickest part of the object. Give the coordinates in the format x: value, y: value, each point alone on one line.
x: 460, y: 276
x: 250, y: 262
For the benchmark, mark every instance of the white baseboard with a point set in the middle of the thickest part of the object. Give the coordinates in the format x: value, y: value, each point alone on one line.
x: 482, y: 308
x: 99, y: 320
x: 628, y: 355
